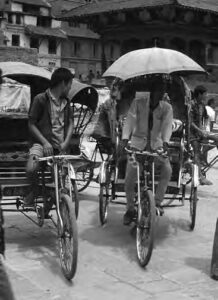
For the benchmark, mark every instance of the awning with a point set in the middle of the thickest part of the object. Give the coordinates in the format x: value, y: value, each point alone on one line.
x: 45, y: 31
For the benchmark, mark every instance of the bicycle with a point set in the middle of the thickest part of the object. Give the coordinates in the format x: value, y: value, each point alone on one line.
x: 64, y: 183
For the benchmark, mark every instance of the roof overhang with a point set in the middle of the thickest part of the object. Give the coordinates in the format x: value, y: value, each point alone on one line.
x: 107, y: 7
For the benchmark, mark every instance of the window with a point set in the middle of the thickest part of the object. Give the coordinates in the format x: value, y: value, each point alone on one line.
x: 15, y: 40
x: 111, y: 51
x: 76, y: 49
x: 10, y: 18
x: 212, y: 54
x: 18, y: 19
x: 52, y: 46
x: 44, y: 21
x: 73, y: 24
x: 94, y: 50
x: 34, y: 43
x: 32, y: 9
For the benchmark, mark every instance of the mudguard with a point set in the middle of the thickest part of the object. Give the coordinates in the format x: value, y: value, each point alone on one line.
x: 103, y: 172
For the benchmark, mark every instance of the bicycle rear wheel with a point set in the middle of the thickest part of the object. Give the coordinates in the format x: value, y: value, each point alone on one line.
x: 103, y: 203
x: 193, y: 199
x: 145, y: 228
x: 84, y: 177
x: 68, y: 239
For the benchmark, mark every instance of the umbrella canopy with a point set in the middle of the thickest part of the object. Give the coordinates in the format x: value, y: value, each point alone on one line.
x: 83, y: 94
x: 152, y: 61
x: 36, y: 77
x: 16, y: 69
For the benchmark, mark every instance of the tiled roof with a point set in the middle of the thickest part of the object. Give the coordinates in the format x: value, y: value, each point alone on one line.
x: 43, y: 3
x: 80, y: 32
x: 105, y: 6
x: 61, y: 6
x: 42, y: 31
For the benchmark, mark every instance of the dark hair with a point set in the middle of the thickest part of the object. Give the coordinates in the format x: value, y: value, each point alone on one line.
x: 199, y: 90
x: 211, y: 101
x: 59, y: 75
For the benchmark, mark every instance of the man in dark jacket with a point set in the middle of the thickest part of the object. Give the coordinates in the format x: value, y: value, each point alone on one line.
x: 50, y: 125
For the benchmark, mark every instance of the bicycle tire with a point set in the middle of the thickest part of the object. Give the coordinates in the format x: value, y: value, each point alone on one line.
x: 75, y: 198
x: 103, y: 203
x: 193, y: 199
x: 84, y: 178
x: 70, y: 232
x: 145, y: 228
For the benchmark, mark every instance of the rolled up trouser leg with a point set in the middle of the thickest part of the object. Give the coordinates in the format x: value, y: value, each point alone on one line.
x: 130, y: 182
x: 165, y: 175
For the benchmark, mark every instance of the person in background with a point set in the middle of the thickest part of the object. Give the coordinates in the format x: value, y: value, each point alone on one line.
x: 90, y: 76
x: 148, y: 126
x: 208, y: 125
x: 98, y: 75
x: 50, y: 125
x: 199, y: 118
x: 211, y: 114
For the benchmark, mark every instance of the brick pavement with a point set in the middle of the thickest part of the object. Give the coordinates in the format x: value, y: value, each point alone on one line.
x: 107, y: 266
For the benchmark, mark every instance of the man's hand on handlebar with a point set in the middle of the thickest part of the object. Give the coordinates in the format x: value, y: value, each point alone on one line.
x: 163, y: 151
x: 48, y: 149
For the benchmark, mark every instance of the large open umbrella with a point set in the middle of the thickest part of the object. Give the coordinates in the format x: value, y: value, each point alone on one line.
x: 152, y: 61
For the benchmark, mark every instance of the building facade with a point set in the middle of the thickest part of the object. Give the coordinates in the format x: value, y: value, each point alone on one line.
x: 29, y: 24
x: 186, y: 25
x: 82, y: 51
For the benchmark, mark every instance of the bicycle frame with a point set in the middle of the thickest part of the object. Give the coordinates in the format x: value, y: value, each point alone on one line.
x: 58, y: 163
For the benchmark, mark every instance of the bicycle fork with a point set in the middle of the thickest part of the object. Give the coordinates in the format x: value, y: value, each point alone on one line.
x: 57, y: 197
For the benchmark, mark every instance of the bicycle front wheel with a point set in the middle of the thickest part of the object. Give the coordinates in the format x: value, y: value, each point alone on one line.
x: 68, y: 238
x: 145, y: 228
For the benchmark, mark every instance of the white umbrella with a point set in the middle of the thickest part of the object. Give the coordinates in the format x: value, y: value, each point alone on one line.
x: 152, y: 61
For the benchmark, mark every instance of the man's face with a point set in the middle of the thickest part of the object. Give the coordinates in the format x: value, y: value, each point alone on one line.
x: 66, y: 88
x: 156, y: 96
x: 116, y: 93
x: 202, y: 98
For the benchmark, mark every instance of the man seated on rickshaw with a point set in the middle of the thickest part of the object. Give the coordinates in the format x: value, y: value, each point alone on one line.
x: 148, y: 126
x: 112, y: 114
x: 198, y: 131
x: 50, y: 125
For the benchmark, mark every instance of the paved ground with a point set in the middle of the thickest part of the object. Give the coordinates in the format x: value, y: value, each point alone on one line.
x: 107, y: 266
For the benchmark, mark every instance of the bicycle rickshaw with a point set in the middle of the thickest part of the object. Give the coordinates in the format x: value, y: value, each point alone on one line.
x: 57, y: 189
x: 184, y: 180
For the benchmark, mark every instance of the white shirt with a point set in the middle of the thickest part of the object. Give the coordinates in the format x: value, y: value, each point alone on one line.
x: 211, y: 117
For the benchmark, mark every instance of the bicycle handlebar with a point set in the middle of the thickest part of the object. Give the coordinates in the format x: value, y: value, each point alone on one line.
x: 145, y: 153
x: 60, y: 157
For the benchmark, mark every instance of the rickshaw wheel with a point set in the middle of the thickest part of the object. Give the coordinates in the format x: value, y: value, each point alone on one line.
x: 145, y: 228
x: 103, y: 203
x: 193, y: 206
x: 84, y: 177
x: 75, y: 197
x: 68, y: 239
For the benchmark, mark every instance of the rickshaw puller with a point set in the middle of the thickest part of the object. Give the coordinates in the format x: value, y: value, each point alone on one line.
x: 152, y: 117
x: 198, y: 118
x: 50, y: 125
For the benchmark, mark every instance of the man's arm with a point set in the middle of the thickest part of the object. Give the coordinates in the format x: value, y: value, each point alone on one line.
x: 167, y: 122
x: 129, y: 122
x: 67, y: 140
